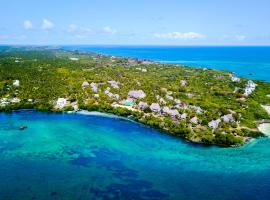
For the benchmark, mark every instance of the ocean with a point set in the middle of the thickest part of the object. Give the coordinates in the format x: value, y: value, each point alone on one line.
x: 248, y: 62
x: 96, y: 157
x: 82, y: 157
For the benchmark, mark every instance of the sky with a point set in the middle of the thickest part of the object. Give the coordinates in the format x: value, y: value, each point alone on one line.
x: 135, y: 22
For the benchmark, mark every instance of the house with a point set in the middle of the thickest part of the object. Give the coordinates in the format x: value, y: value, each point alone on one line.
x: 194, y: 120
x: 228, y: 118
x: 155, y: 108
x: 169, y: 97
x: 146, y: 62
x: 4, y: 102
x: 162, y: 101
x: 179, y: 104
x: 61, y: 103
x: 114, y: 84
x: 74, y: 59
x: 175, y: 113
x: 111, y: 95
x: 16, y: 83
x: 183, y: 116
x: 250, y: 87
x: 166, y: 110
x: 107, y: 91
x: 75, y: 105
x: 143, y: 105
x: 183, y: 83
x: 15, y: 100
x: 235, y: 79
x: 132, y: 62
x: 214, y: 124
x: 117, y: 96
x: 136, y: 94
x: 96, y: 95
x: 85, y: 84
x: 94, y: 87
x: 196, y: 108
x: 171, y: 112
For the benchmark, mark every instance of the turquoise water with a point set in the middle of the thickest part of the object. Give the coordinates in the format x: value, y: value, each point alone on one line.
x: 249, y: 62
x: 72, y: 156
x: 129, y: 103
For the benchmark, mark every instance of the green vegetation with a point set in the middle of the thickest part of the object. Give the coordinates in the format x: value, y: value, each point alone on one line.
x: 197, y: 96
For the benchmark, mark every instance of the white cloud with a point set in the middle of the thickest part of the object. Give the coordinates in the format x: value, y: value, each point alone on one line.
x: 109, y: 30
x: 80, y: 32
x: 179, y: 35
x: 72, y: 27
x: 240, y: 37
x: 27, y: 24
x: 46, y: 24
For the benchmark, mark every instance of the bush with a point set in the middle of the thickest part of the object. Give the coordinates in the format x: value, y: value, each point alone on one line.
x: 227, y: 139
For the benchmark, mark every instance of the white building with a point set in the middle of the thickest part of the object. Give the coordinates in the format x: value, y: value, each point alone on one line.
x: 74, y: 59
x: 183, y: 83
x: 228, y: 118
x: 16, y: 83
x: 155, y: 107
x: 94, y: 87
x: 250, y: 87
x: 136, y: 94
x: 194, y: 120
x: 214, y: 124
x: 114, y: 84
x: 235, y: 79
x: 143, y: 105
x: 61, y: 103
x: 85, y: 84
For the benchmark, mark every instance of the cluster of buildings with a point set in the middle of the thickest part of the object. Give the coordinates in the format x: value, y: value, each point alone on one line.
x: 250, y: 87
x: 134, y: 101
x: 159, y: 108
x: 7, y: 101
x: 61, y: 103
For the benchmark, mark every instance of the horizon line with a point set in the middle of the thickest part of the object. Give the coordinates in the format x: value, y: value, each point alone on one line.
x: 139, y: 45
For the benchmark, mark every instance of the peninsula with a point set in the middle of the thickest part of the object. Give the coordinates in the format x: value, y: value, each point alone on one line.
x: 199, y: 104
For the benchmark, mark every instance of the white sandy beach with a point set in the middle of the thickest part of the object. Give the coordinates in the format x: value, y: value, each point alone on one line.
x: 95, y: 113
x: 266, y: 108
x: 265, y: 128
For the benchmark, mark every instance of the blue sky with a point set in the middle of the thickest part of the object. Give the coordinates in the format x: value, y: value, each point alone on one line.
x: 148, y: 22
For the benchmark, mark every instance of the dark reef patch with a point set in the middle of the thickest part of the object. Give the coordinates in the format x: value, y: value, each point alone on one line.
x: 129, y: 186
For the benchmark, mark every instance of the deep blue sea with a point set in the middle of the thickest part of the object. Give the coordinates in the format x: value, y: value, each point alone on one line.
x: 249, y: 62
x: 84, y: 157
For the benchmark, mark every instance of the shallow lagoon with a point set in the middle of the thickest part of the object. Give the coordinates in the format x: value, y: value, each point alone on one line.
x: 72, y: 156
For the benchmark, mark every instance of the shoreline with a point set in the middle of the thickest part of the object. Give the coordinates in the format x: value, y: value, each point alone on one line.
x: 162, y: 131
x: 100, y: 114
x: 264, y: 127
x: 160, y: 61
x: 197, y: 127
